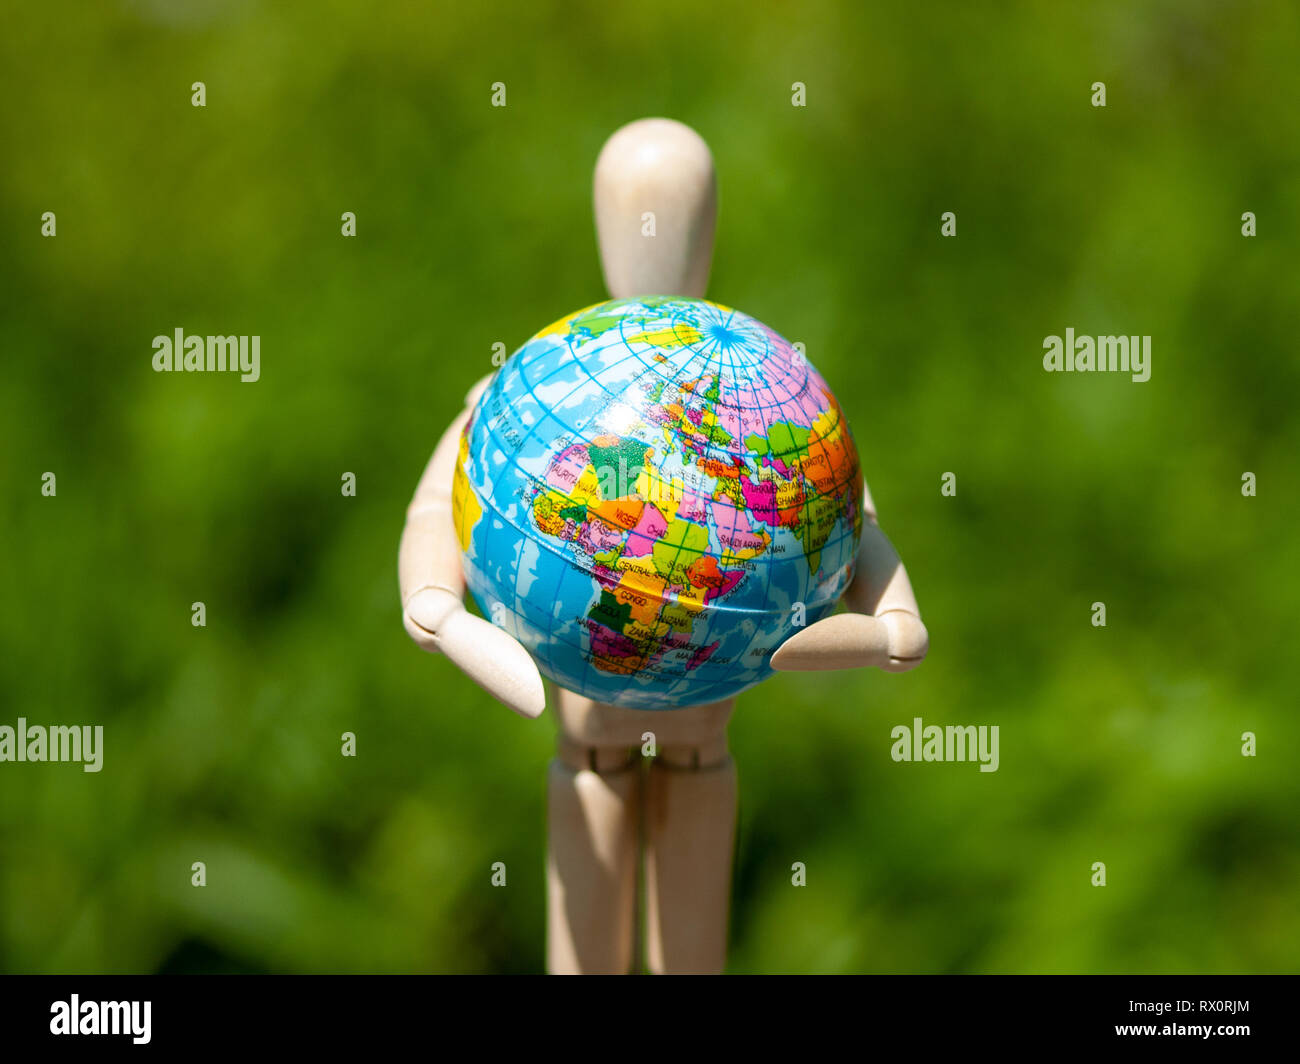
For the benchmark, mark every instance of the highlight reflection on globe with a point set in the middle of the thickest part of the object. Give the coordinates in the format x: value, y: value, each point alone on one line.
x: 651, y: 495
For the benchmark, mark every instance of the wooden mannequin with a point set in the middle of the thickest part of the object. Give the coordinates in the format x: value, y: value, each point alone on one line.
x: 598, y: 793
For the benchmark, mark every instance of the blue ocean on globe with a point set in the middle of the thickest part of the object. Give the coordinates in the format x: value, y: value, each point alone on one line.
x: 652, y: 495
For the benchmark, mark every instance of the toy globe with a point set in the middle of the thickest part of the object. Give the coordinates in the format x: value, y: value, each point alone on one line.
x: 652, y: 495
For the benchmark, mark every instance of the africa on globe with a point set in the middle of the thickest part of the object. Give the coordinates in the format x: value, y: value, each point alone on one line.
x: 652, y: 495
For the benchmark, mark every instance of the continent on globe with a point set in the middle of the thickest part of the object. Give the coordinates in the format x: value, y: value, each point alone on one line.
x: 652, y: 489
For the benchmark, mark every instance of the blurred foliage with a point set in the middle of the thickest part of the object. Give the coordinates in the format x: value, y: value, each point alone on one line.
x: 1119, y: 744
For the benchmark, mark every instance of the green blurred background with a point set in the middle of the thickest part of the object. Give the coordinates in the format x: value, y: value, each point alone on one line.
x: 222, y: 744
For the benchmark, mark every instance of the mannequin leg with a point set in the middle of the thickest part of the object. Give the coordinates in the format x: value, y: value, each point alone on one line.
x: 595, y: 793
x: 691, y: 833
x: 592, y: 803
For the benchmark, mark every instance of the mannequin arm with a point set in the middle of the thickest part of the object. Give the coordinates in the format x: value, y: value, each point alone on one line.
x: 432, y: 586
x: 883, y: 624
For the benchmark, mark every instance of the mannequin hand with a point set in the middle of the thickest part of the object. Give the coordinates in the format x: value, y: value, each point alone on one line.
x: 438, y: 621
x: 882, y: 626
x: 894, y: 641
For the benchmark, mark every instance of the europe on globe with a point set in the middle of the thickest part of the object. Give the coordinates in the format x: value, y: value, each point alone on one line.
x: 652, y: 495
